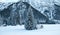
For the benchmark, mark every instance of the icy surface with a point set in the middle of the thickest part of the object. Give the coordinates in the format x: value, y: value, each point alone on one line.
x: 20, y: 30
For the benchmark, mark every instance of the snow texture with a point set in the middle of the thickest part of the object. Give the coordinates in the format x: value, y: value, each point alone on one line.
x: 53, y: 29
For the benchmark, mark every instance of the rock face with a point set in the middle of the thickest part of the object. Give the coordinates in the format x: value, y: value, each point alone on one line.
x: 13, y: 13
x: 16, y: 13
x: 57, y: 12
x: 4, y: 5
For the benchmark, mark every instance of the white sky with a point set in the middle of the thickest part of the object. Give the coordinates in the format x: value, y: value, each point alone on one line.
x: 9, y: 0
x: 18, y: 0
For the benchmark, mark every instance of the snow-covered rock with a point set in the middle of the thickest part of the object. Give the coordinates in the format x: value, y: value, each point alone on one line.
x: 4, y: 5
x: 40, y: 5
x: 57, y: 2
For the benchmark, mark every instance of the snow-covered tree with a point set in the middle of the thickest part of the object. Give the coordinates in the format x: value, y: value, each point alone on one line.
x: 30, y: 24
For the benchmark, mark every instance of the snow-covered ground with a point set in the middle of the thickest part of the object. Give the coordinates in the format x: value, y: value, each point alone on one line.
x: 20, y: 30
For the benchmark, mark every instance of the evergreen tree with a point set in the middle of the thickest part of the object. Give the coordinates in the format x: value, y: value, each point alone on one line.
x: 30, y: 24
